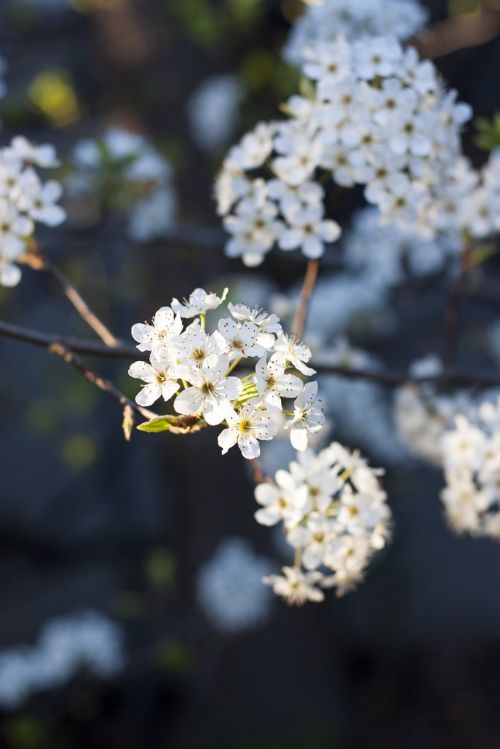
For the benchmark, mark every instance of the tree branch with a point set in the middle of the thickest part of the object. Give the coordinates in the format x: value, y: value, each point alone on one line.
x: 310, y: 279
x: 36, y: 260
x: 386, y: 378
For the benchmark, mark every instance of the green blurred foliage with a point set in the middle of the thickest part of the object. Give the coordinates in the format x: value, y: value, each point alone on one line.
x: 79, y: 451
x: 176, y: 658
x: 160, y: 569
x: 488, y: 133
x: 207, y: 22
x: 26, y: 732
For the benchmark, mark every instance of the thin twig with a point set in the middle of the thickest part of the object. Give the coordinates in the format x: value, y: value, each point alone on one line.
x: 310, y: 278
x: 106, y: 386
x: 39, y: 262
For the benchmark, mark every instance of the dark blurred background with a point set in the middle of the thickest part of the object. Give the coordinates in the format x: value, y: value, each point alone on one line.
x: 87, y: 521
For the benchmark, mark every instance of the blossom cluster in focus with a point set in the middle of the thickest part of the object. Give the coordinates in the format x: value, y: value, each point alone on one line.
x: 197, y: 367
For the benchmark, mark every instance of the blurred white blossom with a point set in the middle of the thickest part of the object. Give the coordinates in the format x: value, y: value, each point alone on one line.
x: 83, y: 640
x: 230, y: 590
x: 212, y: 111
x: 123, y: 173
x: 325, y: 20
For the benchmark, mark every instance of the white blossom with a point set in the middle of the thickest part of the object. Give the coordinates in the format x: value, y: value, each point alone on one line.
x: 308, y: 416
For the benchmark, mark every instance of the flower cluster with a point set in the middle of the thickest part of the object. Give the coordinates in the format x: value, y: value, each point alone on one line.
x: 229, y: 587
x: 423, y: 415
x: 82, y: 640
x: 470, y: 205
x: 335, y: 517
x: 354, y: 19
x: 24, y: 201
x: 374, y: 116
x: 197, y: 367
x: 471, y: 458
x: 122, y: 173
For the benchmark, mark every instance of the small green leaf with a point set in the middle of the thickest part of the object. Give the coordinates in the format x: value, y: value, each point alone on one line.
x: 161, y: 424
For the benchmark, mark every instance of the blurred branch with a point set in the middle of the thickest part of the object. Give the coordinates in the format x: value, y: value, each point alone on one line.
x: 310, y: 279
x: 452, y: 311
x: 36, y: 260
x: 458, y: 32
x: 106, y: 386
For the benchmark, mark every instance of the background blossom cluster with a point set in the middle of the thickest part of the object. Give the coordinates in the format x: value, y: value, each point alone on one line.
x: 24, y: 201
x: 335, y: 516
x: 123, y: 173
x: 323, y: 22
x: 373, y: 115
x: 471, y: 458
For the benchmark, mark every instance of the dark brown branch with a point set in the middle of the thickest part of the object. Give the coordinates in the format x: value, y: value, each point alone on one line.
x: 78, y: 345
x: 387, y: 378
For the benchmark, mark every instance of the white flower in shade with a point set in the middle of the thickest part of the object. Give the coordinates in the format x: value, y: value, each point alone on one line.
x: 308, y: 416
x: 274, y: 384
x: 300, y: 157
x: 240, y: 339
x: 211, y: 392
x: 295, y: 586
x: 314, y: 538
x: 307, y: 230
x: 160, y: 377
x: 199, y: 303
x: 44, y: 156
x: 294, y: 197
x: 268, y: 324
x: 290, y: 351
x: 195, y: 346
x: 328, y: 62
x: 10, y: 274
x: 39, y: 200
x: 166, y: 324
x: 283, y: 501
x: 245, y: 428
x: 377, y: 57
x: 14, y: 230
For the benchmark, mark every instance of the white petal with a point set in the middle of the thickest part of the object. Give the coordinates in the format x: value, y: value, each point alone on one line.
x: 188, y: 402
x: 298, y: 438
x: 227, y: 439
x: 148, y: 395
x: 141, y: 370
